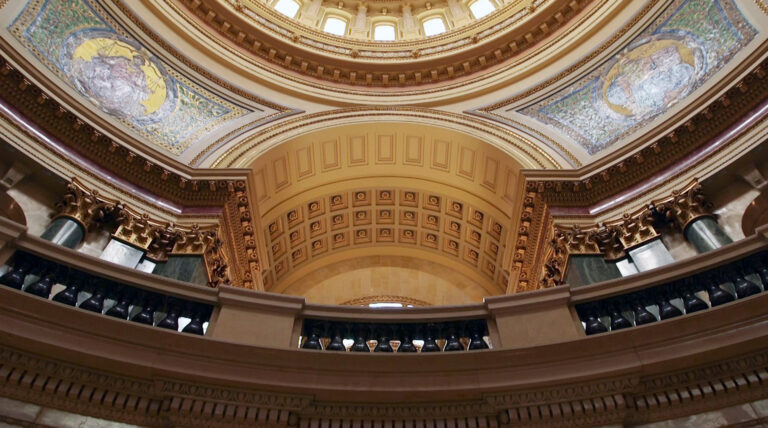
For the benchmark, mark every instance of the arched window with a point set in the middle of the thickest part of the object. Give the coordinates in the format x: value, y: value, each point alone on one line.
x: 288, y: 8
x: 433, y: 26
x: 335, y: 26
x: 480, y: 8
x: 384, y: 33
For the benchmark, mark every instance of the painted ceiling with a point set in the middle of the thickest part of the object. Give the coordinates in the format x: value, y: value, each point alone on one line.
x: 182, y: 88
x: 676, y: 54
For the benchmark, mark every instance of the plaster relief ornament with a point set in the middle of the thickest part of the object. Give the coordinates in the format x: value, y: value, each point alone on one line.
x: 118, y: 77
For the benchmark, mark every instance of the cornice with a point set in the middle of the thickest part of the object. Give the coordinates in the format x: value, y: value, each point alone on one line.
x: 256, y: 15
x: 170, y: 180
x: 348, y: 73
x: 525, y: 151
x: 713, y: 122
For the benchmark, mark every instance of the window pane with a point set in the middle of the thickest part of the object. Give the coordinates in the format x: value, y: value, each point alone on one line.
x: 433, y: 26
x: 480, y: 8
x: 384, y: 33
x: 288, y: 8
x: 335, y: 26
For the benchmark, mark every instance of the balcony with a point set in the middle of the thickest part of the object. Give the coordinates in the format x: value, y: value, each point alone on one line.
x: 250, y: 365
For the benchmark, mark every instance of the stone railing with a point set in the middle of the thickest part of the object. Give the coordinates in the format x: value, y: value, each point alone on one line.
x: 447, y: 336
x: 543, y: 368
x: 65, y: 276
x: 701, y: 291
x: 67, y: 285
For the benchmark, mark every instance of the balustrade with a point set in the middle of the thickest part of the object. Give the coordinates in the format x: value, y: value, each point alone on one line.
x: 45, y: 278
x: 394, y: 337
x: 716, y: 286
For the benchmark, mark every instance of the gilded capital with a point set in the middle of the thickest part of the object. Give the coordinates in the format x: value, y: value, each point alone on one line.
x: 635, y: 230
x: 685, y: 206
x: 135, y: 230
x: 87, y: 207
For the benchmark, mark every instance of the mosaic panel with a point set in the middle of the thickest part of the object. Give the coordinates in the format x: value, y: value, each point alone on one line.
x: 689, y: 42
x: 78, y: 40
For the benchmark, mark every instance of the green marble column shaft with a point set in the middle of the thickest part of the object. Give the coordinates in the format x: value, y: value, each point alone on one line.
x: 584, y: 269
x: 64, y: 231
x: 705, y: 234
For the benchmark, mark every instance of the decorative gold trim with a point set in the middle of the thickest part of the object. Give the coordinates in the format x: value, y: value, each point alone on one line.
x: 158, y: 239
x: 541, y: 159
x: 762, y: 5
x: 685, y: 205
x: 484, y: 61
x: 87, y: 207
x: 365, y: 301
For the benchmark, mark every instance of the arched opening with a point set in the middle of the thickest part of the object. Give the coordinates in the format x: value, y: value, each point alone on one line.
x: 396, y: 209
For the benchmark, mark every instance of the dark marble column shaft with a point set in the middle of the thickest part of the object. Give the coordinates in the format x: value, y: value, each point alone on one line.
x: 650, y: 255
x: 705, y: 234
x: 64, y: 231
x: 584, y: 269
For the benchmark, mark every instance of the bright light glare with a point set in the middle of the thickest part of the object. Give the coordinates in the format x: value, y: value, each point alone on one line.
x: 385, y: 305
x: 288, y: 8
x: 480, y: 8
x: 434, y: 26
x: 335, y: 26
x: 384, y: 33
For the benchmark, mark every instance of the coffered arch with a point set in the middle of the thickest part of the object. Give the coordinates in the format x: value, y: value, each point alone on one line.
x: 241, y: 153
x: 383, y: 189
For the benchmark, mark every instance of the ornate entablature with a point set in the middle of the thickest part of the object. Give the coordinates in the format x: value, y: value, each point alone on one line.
x: 613, y: 239
x: 156, y: 238
x: 514, y: 28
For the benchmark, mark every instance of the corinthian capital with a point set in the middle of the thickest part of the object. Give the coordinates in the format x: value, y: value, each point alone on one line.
x: 638, y: 229
x: 86, y: 206
x: 685, y: 205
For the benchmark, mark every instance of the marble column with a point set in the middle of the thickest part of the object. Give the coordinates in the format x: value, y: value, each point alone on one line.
x: 187, y: 268
x: 692, y: 214
x: 65, y: 231
x: 78, y: 211
x: 626, y: 266
x: 122, y: 254
x: 650, y: 255
x: 585, y: 269
x: 146, y: 265
x: 705, y: 234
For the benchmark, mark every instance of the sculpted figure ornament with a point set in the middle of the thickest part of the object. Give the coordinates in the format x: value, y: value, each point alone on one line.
x: 555, y: 265
x: 215, y: 263
x: 163, y: 240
